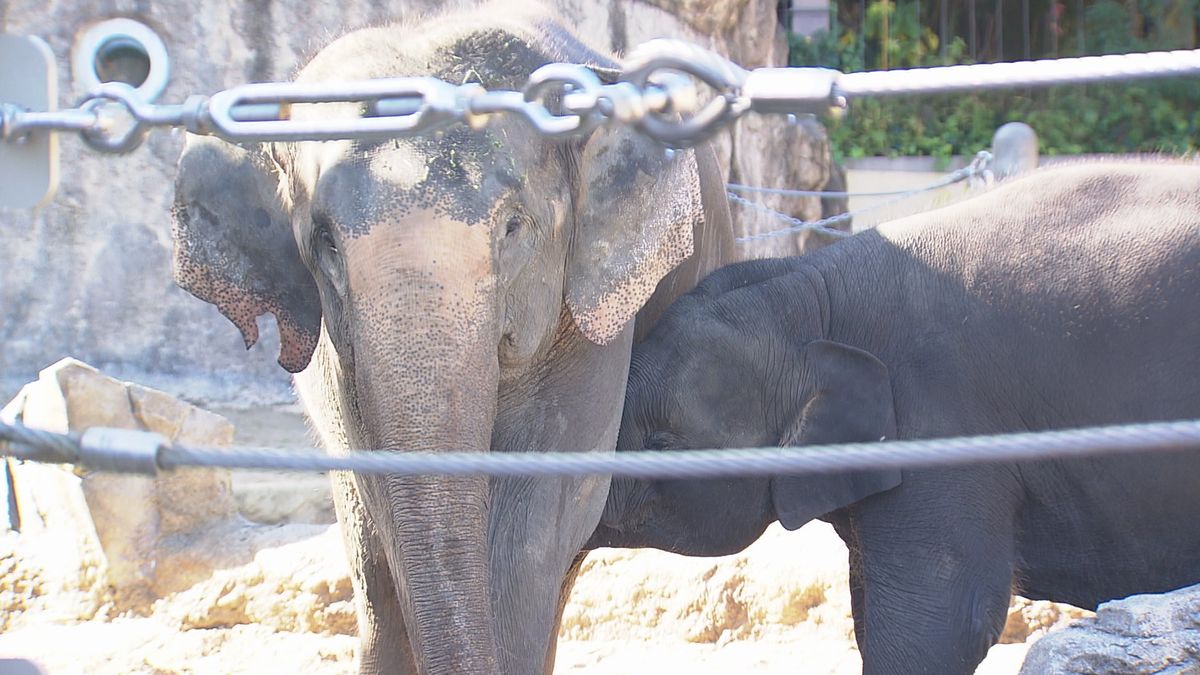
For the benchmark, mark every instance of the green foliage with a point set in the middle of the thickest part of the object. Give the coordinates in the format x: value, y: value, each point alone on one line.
x: 904, y: 40
x: 1069, y: 120
x: 1153, y: 116
x: 827, y: 51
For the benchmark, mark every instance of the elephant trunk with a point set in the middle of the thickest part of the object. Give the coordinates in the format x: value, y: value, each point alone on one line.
x: 440, y: 527
x: 426, y: 378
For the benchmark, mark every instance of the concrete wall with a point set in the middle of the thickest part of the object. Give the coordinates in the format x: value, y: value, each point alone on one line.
x: 885, y: 174
x: 888, y: 174
x: 89, y: 275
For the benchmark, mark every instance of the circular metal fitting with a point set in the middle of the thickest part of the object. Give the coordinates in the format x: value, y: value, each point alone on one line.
x: 662, y: 63
x: 122, y: 50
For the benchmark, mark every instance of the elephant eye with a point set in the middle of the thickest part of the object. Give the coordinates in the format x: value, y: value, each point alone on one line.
x: 661, y: 440
x: 513, y: 225
x: 326, y: 238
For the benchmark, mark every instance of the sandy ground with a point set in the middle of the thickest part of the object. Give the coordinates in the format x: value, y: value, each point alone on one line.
x: 149, y: 646
x: 780, y: 606
x: 632, y: 612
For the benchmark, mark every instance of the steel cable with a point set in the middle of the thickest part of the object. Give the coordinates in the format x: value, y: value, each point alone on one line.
x: 1046, y: 72
x: 908, y: 454
x: 22, y: 442
x: 979, y: 166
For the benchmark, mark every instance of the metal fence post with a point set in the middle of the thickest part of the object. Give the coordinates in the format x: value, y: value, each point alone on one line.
x: 1014, y: 150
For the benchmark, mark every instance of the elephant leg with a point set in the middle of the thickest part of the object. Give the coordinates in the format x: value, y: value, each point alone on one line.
x: 843, y: 526
x: 385, y: 647
x: 564, y: 595
x: 857, y: 608
x: 936, y: 583
x: 536, y: 543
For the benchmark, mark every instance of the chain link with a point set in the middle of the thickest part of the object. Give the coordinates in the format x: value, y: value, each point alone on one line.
x: 659, y: 93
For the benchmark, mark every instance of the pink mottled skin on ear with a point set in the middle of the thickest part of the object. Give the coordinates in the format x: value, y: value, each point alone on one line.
x: 296, y: 345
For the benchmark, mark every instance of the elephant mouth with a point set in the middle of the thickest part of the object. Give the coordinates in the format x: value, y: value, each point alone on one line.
x: 630, y: 507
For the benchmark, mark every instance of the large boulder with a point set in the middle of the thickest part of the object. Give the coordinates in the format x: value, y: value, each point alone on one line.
x: 1141, y: 634
x: 84, y: 544
x: 116, y: 524
x: 89, y: 275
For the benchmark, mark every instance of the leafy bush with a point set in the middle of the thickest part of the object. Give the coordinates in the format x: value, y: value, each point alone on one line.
x: 1148, y: 116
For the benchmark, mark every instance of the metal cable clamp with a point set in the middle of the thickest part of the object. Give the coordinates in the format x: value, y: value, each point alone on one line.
x: 123, y: 450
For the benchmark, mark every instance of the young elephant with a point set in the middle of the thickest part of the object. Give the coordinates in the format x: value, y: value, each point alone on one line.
x: 1070, y: 298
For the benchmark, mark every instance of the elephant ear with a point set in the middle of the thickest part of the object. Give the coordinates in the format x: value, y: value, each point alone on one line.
x: 234, y: 247
x: 848, y: 400
x: 635, y: 214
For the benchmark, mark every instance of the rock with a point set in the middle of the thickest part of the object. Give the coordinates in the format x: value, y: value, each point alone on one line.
x: 293, y: 578
x: 1034, y: 618
x: 835, y: 204
x: 120, y: 517
x: 86, y: 544
x: 273, y: 497
x: 90, y: 274
x: 1140, y: 634
x: 772, y: 153
x: 51, y: 561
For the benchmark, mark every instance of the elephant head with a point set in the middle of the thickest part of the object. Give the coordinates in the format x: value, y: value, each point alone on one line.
x: 474, y: 291
x: 722, y: 371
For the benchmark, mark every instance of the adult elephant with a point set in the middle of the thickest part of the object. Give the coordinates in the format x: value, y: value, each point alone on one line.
x: 1066, y: 299
x: 473, y: 291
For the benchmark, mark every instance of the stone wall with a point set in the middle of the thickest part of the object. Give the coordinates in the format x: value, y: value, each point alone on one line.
x: 89, y: 275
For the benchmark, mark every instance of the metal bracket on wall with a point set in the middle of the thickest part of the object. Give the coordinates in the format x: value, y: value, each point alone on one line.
x: 29, y: 81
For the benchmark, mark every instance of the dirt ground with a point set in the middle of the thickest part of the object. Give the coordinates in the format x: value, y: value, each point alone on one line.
x: 781, y: 605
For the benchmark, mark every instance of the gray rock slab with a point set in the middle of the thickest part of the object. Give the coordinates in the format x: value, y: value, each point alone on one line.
x: 1141, y: 634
